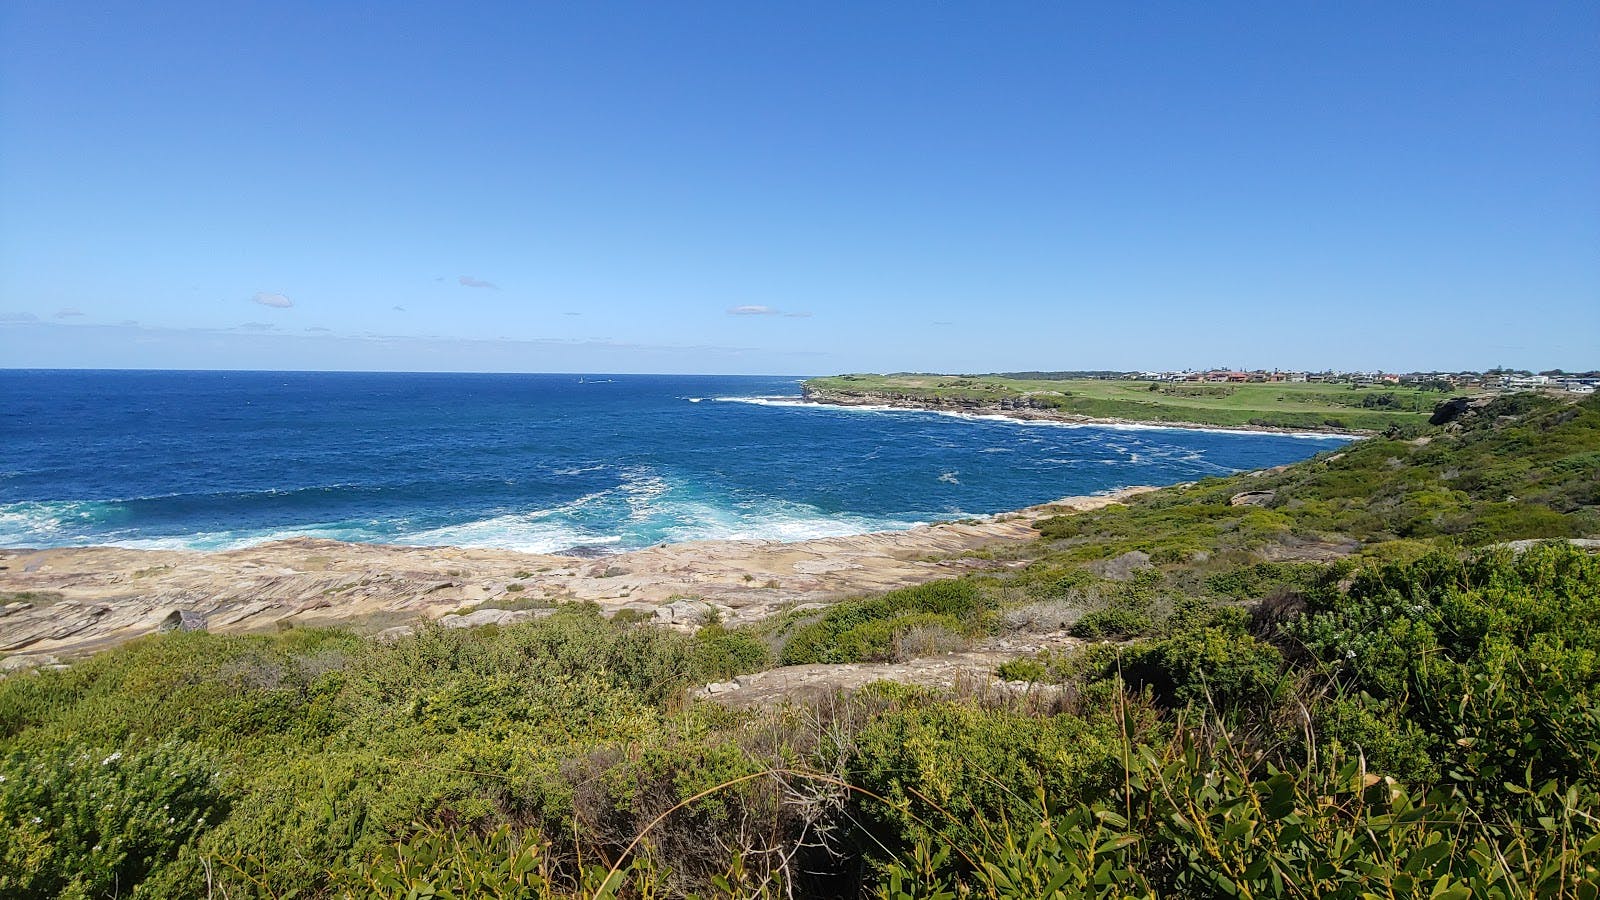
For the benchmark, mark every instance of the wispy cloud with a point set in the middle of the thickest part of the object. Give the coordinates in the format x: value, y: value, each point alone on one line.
x: 572, y: 314
x: 469, y: 281
x: 753, y: 310
x: 256, y: 326
x: 18, y: 317
x: 399, y: 308
x: 797, y: 315
x: 276, y: 301
x: 70, y: 312
x: 320, y: 330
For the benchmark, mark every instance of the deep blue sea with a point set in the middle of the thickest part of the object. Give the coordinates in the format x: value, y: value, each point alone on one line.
x: 541, y: 463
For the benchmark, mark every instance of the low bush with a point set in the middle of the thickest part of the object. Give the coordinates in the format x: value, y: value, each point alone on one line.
x: 81, y: 822
x: 956, y: 769
x: 1213, y: 666
x: 866, y: 630
x: 1116, y: 622
x: 717, y: 652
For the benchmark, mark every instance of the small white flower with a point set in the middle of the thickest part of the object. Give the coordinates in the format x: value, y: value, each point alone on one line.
x: 96, y: 849
x: 116, y: 755
x: 37, y: 820
x: 1349, y: 654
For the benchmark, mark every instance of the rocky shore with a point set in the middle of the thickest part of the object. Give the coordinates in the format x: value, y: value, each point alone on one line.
x: 1028, y: 408
x: 58, y: 603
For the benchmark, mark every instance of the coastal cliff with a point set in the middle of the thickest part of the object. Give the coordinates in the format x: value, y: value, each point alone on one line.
x: 1022, y: 406
x: 1285, y: 407
x: 1053, y: 406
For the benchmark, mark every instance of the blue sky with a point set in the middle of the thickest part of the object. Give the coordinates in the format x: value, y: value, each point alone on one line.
x: 802, y: 188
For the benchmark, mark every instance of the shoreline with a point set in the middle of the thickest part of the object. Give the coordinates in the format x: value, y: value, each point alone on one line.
x: 72, y: 601
x: 1035, y: 414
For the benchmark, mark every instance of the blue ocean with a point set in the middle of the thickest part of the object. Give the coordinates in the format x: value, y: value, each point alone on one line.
x: 540, y: 463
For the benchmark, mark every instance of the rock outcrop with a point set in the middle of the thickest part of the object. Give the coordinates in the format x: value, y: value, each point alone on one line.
x: 1252, y: 498
x: 77, y: 600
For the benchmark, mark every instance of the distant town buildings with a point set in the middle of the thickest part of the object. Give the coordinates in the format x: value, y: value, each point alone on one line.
x: 1575, y: 382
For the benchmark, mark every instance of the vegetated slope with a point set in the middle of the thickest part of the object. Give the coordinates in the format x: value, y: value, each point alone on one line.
x: 1338, y: 688
x: 1318, y: 406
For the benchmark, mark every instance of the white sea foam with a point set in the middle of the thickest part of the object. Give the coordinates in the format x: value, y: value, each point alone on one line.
x: 770, y: 520
x: 50, y: 522
x: 523, y: 532
x: 1045, y: 423
x: 243, y: 538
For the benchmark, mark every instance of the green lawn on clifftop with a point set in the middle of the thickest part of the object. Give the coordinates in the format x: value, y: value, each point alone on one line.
x: 1279, y: 405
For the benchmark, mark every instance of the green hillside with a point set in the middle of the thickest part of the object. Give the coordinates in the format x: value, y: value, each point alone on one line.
x: 1333, y: 680
x: 1282, y: 405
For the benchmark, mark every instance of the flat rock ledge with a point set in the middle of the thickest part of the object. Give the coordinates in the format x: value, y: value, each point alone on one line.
x: 71, y: 601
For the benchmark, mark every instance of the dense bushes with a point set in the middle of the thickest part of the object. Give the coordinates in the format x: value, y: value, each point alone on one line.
x: 1217, y: 665
x: 957, y: 769
x: 1495, y: 659
x: 1196, y: 820
x: 328, y: 746
x: 1521, y: 468
x: 1429, y: 726
x: 80, y: 822
x: 865, y: 630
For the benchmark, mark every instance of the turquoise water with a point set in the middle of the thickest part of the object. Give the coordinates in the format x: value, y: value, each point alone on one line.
x: 542, y: 463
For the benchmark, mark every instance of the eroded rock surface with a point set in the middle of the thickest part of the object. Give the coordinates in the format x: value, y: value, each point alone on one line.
x: 76, y: 600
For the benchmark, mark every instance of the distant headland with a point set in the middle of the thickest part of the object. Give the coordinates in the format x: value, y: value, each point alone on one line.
x: 1331, y: 402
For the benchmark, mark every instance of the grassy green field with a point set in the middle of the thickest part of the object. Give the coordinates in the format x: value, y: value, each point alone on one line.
x: 1234, y: 405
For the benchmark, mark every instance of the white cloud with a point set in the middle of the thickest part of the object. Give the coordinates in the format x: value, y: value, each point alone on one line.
x: 276, y: 301
x: 70, y: 312
x: 18, y: 317
x: 469, y: 281
x: 753, y: 310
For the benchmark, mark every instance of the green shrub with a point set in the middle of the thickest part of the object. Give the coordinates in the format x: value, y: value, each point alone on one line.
x: 451, y: 863
x: 717, y: 652
x: 1187, y: 822
x: 1256, y: 581
x: 1496, y: 658
x: 865, y: 630
x: 1378, y: 734
x: 1116, y: 622
x: 951, y: 768
x: 1219, y: 667
x: 82, y: 822
x: 1024, y: 669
